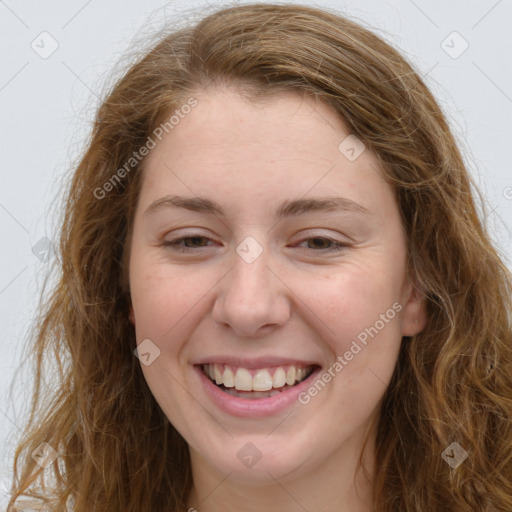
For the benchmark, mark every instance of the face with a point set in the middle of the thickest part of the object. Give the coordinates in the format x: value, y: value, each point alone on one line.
x: 252, y: 276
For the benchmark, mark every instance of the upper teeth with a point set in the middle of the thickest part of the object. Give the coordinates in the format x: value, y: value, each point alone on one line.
x: 262, y: 379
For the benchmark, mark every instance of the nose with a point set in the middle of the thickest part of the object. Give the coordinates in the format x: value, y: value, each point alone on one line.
x: 252, y: 299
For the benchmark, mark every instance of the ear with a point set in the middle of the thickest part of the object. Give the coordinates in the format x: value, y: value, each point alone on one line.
x: 414, y: 318
x: 131, y: 315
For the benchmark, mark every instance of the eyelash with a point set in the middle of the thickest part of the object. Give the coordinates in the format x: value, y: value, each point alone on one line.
x: 173, y: 244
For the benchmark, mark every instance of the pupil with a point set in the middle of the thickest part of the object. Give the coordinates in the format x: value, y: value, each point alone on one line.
x: 193, y: 239
x: 323, y: 241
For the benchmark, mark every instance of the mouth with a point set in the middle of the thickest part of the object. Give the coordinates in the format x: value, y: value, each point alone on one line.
x: 256, y: 383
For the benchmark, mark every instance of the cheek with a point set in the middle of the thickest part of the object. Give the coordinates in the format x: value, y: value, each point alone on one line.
x: 165, y: 303
x: 351, y: 300
x: 360, y: 323
x: 166, y: 300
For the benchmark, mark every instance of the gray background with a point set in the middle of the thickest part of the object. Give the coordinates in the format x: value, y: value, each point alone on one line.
x: 47, y: 104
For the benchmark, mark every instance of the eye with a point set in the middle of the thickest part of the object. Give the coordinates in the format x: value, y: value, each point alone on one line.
x: 195, y: 243
x: 198, y: 242
x: 335, y: 245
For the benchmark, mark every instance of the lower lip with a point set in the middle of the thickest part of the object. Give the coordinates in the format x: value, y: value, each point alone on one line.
x: 253, y: 407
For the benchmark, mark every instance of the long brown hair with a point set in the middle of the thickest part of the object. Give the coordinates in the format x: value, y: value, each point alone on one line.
x: 452, y: 382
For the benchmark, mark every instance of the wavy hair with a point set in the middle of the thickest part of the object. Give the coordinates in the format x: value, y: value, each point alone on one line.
x: 452, y: 382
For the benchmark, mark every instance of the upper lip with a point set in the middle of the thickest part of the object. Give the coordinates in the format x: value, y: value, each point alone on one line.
x: 256, y: 362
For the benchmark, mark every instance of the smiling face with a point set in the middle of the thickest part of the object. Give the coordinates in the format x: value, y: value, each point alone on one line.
x: 257, y: 278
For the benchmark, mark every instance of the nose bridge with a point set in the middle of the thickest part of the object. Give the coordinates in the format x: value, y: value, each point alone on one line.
x: 250, y: 272
x: 250, y: 298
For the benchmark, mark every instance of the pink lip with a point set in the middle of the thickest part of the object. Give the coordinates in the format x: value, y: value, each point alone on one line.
x: 261, y: 362
x: 257, y: 407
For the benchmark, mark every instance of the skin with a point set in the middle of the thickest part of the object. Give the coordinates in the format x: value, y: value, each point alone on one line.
x: 297, y: 298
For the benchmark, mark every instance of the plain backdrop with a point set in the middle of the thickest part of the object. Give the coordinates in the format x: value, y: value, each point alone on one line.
x: 58, y: 55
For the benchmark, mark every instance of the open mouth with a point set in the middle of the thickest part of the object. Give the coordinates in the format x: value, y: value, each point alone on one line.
x: 256, y: 383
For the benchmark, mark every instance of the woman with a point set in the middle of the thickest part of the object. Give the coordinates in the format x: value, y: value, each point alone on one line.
x: 276, y: 291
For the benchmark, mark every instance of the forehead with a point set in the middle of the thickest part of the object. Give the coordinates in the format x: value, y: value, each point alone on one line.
x: 231, y: 147
x: 223, y: 116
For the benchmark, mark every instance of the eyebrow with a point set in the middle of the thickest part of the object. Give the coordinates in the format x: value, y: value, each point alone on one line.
x: 287, y: 209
